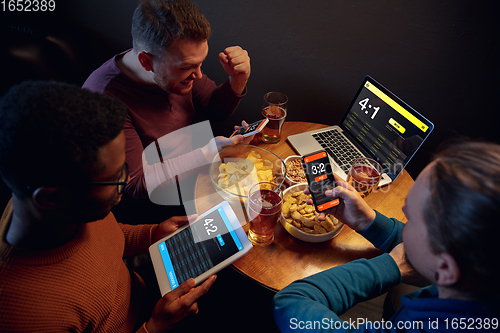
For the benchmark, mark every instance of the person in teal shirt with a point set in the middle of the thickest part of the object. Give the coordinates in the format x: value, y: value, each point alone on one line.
x: 449, y: 245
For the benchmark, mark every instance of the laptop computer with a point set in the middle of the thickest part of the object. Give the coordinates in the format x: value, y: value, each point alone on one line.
x: 377, y: 125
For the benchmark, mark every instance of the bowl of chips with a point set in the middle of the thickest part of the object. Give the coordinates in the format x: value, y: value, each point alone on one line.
x: 237, y: 168
x: 301, y: 219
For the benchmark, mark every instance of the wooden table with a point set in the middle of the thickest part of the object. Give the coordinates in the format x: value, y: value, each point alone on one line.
x: 288, y: 259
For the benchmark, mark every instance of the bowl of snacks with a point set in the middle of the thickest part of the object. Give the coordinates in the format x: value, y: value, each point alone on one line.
x: 295, y: 173
x: 237, y: 168
x: 301, y: 219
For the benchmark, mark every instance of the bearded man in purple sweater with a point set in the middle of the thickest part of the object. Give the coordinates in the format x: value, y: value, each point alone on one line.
x: 161, y: 82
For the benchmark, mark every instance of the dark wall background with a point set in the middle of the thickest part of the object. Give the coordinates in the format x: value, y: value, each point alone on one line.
x: 440, y: 56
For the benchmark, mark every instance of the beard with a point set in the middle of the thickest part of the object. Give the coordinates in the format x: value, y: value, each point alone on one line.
x: 179, y: 89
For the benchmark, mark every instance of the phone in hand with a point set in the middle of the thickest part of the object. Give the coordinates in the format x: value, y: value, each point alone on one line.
x: 320, y: 178
x: 251, y: 129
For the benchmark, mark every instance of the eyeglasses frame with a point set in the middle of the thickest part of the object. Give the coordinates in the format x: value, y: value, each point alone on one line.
x: 120, y: 185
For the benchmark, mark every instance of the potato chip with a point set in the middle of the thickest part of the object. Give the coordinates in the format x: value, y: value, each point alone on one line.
x: 319, y: 229
x: 231, y: 167
x: 285, y: 209
x: 327, y: 225
x: 242, y: 165
x: 267, y: 165
x: 296, y: 216
x: 307, y: 222
x: 265, y: 174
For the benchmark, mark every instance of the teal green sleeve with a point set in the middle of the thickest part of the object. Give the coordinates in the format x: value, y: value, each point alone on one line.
x: 384, y: 233
x: 320, y: 298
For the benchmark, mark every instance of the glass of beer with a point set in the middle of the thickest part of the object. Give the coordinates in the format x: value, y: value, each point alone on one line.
x: 364, y: 176
x: 263, y: 209
x: 274, y: 109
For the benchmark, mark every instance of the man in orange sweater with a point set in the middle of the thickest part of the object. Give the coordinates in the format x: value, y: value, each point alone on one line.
x: 62, y: 153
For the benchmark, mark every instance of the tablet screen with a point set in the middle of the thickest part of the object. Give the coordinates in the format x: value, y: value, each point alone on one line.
x: 199, y: 247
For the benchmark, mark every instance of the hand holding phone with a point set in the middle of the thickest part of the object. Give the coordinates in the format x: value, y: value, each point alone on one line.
x: 320, y: 178
x: 251, y: 129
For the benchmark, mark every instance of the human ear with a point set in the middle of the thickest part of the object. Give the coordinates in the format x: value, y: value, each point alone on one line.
x: 48, y: 198
x: 448, y: 271
x: 146, y: 60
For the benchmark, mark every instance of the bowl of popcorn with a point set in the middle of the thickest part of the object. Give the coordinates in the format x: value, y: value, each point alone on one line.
x: 237, y: 168
x: 295, y: 173
x: 301, y: 219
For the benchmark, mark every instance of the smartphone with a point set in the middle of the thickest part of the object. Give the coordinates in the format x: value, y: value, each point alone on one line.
x: 320, y: 178
x: 251, y: 129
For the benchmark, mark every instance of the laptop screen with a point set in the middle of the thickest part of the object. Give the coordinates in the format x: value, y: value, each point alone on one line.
x: 387, y: 129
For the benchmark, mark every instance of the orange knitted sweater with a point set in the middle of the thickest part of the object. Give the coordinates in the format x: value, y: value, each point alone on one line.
x: 82, y: 286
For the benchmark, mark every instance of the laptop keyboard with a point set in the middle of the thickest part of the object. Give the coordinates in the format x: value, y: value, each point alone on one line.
x: 338, y: 147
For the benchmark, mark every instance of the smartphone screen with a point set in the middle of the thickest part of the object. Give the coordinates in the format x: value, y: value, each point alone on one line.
x: 199, y: 247
x: 251, y: 129
x: 320, y: 178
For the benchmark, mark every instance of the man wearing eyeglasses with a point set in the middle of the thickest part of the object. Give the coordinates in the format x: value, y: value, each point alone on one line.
x: 62, y: 153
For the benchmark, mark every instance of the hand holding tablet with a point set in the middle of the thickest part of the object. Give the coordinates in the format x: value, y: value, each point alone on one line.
x: 177, y: 305
x: 212, y: 242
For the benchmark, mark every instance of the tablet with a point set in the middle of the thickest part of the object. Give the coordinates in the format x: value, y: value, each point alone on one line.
x: 200, y: 249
